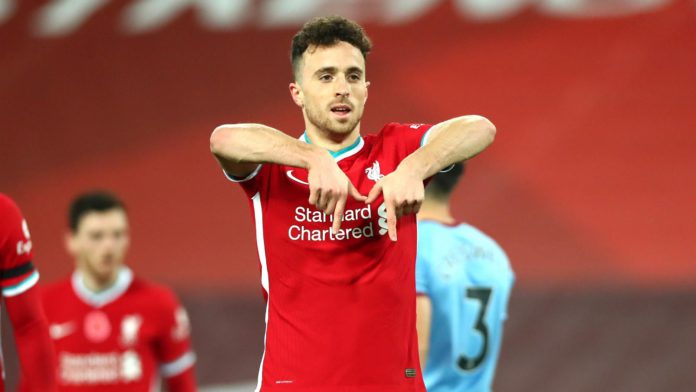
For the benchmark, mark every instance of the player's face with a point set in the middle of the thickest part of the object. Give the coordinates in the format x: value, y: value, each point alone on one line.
x: 100, y: 243
x: 332, y: 89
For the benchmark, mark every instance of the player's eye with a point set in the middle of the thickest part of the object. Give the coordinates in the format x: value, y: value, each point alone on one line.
x: 325, y: 78
x: 96, y: 236
x: 354, y: 77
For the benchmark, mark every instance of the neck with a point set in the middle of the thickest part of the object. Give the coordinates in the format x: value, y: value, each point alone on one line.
x: 97, y: 284
x: 436, y: 210
x: 332, y: 141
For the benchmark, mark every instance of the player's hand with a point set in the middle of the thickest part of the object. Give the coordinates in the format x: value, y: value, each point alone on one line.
x: 329, y: 188
x: 403, y: 192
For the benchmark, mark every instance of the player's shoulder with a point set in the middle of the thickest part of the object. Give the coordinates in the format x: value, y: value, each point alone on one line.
x: 155, y: 293
x: 55, y: 290
x: 478, y: 236
x: 8, y: 207
x: 492, y: 248
x: 429, y: 229
x: 395, y: 128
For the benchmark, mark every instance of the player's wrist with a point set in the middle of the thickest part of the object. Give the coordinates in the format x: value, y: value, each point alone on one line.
x: 412, y: 166
x: 316, y: 157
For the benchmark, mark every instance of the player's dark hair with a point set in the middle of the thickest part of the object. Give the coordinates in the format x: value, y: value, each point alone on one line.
x: 327, y: 31
x: 93, y: 201
x: 443, y: 183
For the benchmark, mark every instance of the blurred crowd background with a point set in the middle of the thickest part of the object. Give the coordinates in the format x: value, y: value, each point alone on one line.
x: 590, y: 185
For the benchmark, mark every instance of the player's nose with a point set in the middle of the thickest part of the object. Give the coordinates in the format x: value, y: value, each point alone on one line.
x: 342, y: 87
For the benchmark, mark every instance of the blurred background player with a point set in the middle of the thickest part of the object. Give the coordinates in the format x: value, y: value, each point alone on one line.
x: 112, y: 331
x: 463, y: 281
x: 18, y: 278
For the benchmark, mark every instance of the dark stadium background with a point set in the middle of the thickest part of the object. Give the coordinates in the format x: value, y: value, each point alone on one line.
x: 590, y: 185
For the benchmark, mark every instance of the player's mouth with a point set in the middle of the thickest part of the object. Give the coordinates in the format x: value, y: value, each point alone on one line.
x: 341, y: 110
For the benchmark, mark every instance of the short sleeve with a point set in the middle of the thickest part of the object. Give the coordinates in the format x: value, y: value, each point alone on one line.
x: 252, y: 183
x: 409, y: 137
x: 422, y: 261
x: 17, y: 272
x: 174, y: 351
x: 421, y: 275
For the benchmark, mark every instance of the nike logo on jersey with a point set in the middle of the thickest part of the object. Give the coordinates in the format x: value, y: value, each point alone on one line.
x: 292, y: 177
x: 59, y: 331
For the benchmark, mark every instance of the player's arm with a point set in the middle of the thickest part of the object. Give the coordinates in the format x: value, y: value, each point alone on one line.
x: 241, y: 148
x: 184, y: 381
x: 34, y: 346
x: 448, y: 142
x: 423, y: 319
x: 172, y: 347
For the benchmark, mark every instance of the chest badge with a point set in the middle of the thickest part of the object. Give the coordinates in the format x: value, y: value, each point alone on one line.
x: 129, y: 329
x: 373, y: 173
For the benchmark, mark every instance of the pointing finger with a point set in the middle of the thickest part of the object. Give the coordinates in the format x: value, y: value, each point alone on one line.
x: 391, y: 221
x: 338, y: 214
x: 355, y: 193
x: 374, y: 193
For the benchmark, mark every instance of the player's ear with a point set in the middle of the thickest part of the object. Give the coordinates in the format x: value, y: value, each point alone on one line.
x: 367, y: 90
x: 70, y: 242
x: 296, y: 94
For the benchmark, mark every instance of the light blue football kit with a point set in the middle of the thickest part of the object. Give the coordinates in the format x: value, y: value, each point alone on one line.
x: 468, y: 278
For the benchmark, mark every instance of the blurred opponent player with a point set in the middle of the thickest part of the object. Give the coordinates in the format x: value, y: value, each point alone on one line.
x: 18, y: 279
x: 463, y: 280
x: 340, y: 291
x: 114, y: 332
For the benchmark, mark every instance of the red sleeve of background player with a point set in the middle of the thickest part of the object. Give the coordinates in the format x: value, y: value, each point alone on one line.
x: 17, y: 279
x: 17, y: 273
x: 173, y: 347
x: 34, y: 347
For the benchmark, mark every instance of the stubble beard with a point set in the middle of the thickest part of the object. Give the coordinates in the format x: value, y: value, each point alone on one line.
x: 325, y: 123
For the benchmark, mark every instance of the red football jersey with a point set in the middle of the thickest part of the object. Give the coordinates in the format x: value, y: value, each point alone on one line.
x: 120, y: 339
x: 17, y: 273
x: 340, y: 312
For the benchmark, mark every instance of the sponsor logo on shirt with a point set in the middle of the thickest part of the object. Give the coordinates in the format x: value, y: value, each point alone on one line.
x: 100, y: 368
x: 362, y: 216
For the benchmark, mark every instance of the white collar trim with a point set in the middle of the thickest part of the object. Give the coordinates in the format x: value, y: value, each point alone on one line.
x: 343, y: 153
x: 123, y: 282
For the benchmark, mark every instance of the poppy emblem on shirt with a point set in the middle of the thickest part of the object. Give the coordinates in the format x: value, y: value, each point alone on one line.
x: 97, y: 326
x: 373, y: 173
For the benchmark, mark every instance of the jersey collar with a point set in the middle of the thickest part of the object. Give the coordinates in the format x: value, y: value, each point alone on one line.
x: 342, y: 153
x: 123, y: 281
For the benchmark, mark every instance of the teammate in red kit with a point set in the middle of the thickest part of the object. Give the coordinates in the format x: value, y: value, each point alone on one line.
x: 18, y: 278
x: 113, y: 332
x: 328, y: 210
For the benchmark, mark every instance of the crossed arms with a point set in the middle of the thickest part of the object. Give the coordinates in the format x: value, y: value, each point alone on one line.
x: 240, y: 148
